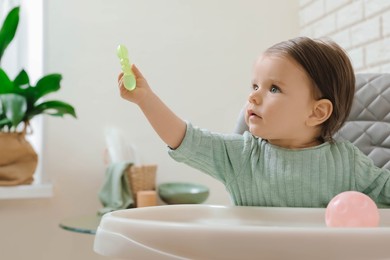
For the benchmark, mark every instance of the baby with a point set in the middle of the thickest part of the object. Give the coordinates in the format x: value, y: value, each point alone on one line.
x: 302, y: 93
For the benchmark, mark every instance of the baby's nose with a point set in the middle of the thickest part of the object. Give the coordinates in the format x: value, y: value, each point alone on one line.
x: 255, y: 97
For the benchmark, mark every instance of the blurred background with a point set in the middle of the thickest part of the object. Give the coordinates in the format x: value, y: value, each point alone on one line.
x: 197, y: 55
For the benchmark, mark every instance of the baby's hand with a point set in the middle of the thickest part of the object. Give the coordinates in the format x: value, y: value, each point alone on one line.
x: 138, y: 94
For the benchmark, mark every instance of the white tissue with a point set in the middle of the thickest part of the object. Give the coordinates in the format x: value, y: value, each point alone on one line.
x: 119, y: 150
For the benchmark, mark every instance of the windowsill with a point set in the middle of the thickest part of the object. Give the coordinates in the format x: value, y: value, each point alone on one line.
x: 32, y: 191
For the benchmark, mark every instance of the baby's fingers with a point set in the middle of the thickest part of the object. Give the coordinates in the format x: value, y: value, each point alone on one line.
x: 136, y: 72
x: 120, y: 76
x: 120, y: 81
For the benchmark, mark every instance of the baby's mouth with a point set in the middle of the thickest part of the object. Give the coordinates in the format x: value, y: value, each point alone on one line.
x: 251, y: 113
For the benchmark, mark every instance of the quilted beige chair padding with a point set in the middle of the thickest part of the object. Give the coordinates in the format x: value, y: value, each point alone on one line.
x: 368, y: 125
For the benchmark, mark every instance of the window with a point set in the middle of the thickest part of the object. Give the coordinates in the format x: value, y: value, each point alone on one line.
x: 26, y: 51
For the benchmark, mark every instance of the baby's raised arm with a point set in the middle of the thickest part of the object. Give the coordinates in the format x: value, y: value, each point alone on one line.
x: 167, y: 124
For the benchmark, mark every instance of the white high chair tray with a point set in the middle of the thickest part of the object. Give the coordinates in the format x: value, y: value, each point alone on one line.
x: 219, y: 232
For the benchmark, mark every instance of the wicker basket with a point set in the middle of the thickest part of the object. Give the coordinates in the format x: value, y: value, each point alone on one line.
x: 141, y: 177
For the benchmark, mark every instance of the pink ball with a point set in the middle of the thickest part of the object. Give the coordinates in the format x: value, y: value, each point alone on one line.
x: 352, y: 209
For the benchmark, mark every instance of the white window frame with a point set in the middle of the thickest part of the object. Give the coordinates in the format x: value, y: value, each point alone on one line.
x: 26, y: 51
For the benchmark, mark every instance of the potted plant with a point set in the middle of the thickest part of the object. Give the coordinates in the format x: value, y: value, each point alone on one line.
x: 19, y: 103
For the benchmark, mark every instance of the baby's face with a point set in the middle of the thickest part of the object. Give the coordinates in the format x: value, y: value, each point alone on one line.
x: 280, y: 103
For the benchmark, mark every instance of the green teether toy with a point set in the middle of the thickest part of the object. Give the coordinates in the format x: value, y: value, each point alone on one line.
x: 128, y: 76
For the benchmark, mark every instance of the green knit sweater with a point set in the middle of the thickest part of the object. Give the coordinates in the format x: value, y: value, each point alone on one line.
x: 257, y: 173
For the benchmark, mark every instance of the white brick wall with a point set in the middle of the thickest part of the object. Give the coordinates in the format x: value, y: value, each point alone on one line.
x: 361, y: 27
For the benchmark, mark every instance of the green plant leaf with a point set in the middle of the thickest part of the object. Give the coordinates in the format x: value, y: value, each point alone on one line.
x: 47, y: 84
x: 3, y: 123
x: 8, y: 29
x: 14, y: 107
x: 21, y: 80
x: 54, y: 108
x: 6, y: 85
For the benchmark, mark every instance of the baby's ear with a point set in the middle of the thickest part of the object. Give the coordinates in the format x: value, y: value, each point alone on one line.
x: 322, y: 109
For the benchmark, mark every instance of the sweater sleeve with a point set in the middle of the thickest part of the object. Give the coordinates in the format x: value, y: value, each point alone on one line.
x: 219, y: 155
x: 372, y: 180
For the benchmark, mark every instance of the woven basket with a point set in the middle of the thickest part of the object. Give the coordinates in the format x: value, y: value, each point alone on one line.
x: 142, y: 177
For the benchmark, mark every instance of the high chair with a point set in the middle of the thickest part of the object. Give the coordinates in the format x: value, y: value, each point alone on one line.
x: 228, y: 232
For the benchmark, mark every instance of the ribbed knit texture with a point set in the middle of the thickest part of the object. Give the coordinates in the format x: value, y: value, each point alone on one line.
x: 257, y: 173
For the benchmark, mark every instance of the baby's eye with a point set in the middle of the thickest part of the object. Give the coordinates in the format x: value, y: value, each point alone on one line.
x: 274, y: 89
x: 255, y: 87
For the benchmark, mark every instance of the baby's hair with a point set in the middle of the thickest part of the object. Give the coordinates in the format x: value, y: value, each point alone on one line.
x: 330, y: 71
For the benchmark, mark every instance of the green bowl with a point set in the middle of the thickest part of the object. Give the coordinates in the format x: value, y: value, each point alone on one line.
x: 182, y: 193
